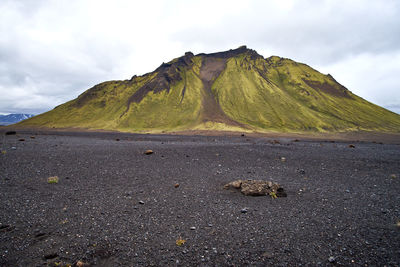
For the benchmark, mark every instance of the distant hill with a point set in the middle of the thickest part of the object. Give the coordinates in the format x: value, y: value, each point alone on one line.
x: 13, y: 118
x: 237, y: 90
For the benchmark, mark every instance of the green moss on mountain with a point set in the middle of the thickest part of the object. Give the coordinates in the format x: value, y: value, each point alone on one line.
x: 232, y: 90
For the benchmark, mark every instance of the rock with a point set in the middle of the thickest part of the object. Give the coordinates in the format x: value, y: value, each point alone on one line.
x: 81, y: 264
x: 32, y: 137
x: 148, y: 152
x: 331, y: 259
x: 280, y: 192
x: 141, y: 202
x: 352, y: 146
x: 257, y: 188
x: 117, y: 139
x: 283, y: 159
x: 13, y: 148
x: 267, y: 255
x: 192, y: 228
x: 176, y: 185
x: 235, y: 184
x: 301, y: 171
x: 50, y: 256
x: 4, y: 226
x: 21, y: 139
x: 393, y: 176
x: 11, y: 132
x: 244, y: 210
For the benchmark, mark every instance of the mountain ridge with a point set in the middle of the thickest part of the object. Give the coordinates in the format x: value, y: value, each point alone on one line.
x: 236, y: 90
x: 14, y: 118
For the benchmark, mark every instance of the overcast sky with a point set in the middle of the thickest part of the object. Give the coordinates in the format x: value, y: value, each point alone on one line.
x: 51, y: 51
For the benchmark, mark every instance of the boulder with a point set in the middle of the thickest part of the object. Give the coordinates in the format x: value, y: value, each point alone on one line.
x: 257, y: 188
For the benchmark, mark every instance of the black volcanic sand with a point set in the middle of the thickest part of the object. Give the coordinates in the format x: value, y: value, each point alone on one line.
x: 115, y: 206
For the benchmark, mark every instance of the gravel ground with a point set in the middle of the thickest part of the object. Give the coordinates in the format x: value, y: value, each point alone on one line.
x: 116, y: 206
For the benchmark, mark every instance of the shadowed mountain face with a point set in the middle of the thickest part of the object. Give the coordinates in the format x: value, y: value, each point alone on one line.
x: 232, y: 90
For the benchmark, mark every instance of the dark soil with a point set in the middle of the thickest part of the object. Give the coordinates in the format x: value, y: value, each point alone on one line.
x: 116, y: 206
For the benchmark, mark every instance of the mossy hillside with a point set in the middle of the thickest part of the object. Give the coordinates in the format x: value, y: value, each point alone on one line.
x: 342, y: 113
x: 105, y: 106
x: 251, y: 94
x: 177, y: 109
x: 272, y: 94
x: 247, y: 97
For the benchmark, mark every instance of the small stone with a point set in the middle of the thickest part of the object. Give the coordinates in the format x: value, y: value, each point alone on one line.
x: 192, y: 228
x: 148, y: 152
x: 393, y: 176
x: 11, y: 132
x: 283, y: 159
x: 21, y: 139
x: 81, y: 264
x: 352, y: 146
x: 244, y: 210
x: 331, y: 259
x: 267, y: 255
x: 301, y: 171
x: 32, y: 137
x: 141, y: 202
x: 50, y: 256
x: 280, y: 192
x: 4, y: 226
x: 117, y: 139
x: 13, y: 148
x: 176, y: 185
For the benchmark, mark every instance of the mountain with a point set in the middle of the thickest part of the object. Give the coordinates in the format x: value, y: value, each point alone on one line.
x: 236, y: 90
x: 13, y: 118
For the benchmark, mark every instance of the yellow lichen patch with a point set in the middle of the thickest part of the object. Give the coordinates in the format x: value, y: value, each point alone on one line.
x: 179, y: 242
x: 273, y: 195
x: 53, y: 180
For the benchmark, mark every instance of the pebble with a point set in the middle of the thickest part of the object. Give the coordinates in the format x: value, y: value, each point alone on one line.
x: 192, y: 228
x: 141, y: 202
x: 331, y: 259
x: 244, y: 210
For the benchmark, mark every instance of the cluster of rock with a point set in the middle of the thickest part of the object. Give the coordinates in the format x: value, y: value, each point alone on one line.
x: 257, y: 188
